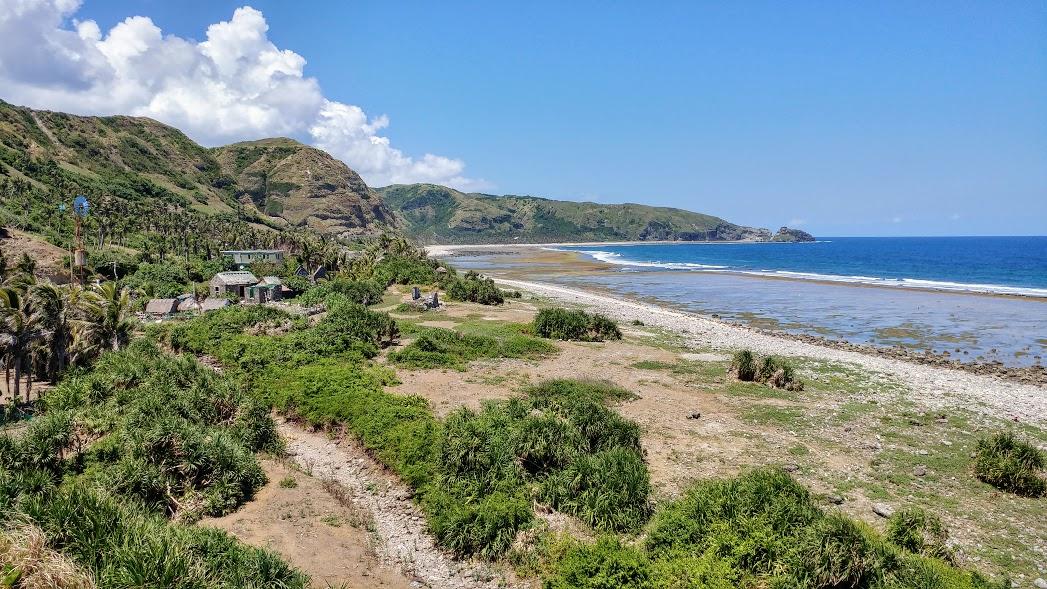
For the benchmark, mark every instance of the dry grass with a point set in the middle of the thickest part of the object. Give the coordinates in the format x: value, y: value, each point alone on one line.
x: 26, y: 562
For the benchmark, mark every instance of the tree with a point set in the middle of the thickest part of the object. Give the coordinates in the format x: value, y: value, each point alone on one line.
x: 106, y: 323
x: 54, y: 312
x: 18, y: 333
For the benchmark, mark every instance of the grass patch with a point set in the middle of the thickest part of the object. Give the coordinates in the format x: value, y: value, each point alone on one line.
x: 446, y: 348
x: 1011, y: 464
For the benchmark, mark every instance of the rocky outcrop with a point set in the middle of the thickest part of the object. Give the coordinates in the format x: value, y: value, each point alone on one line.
x: 792, y: 235
x: 303, y: 187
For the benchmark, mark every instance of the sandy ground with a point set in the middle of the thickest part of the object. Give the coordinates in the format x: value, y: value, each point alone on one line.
x: 313, y: 529
x: 398, y: 526
x: 48, y: 257
x: 931, y: 386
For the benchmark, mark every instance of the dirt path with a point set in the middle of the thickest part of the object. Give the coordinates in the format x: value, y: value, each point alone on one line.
x: 298, y: 517
x: 402, y: 541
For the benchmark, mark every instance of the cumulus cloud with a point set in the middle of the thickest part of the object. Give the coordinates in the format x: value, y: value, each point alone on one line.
x: 233, y: 86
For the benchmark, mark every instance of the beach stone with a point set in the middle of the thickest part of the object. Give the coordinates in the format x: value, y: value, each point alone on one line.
x: 883, y: 510
x: 922, y: 452
x: 920, y: 470
x: 836, y: 499
x: 1039, y: 582
x: 695, y: 415
x: 791, y: 467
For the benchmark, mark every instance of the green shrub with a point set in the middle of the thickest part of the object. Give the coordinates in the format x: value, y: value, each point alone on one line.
x: 919, y: 532
x: 607, y: 489
x: 1011, y: 464
x: 361, y: 292
x: 779, y: 374
x: 838, y: 551
x: 743, y: 366
x: 446, y: 348
x: 565, y: 324
x: 605, y: 565
x: 476, y: 289
x: 288, y: 482
x: 401, y: 270
x: 485, y: 527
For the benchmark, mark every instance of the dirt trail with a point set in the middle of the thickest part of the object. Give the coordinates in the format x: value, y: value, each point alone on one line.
x: 397, y: 524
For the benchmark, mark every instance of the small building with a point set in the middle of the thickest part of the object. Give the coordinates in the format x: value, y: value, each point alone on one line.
x: 235, y: 282
x: 269, y: 288
x: 187, y: 303
x: 161, y: 307
x: 244, y: 257
x: 313, y: 276
x: 211, y: 304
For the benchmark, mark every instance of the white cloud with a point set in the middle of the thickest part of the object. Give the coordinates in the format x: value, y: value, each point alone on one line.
x: 235, y: 85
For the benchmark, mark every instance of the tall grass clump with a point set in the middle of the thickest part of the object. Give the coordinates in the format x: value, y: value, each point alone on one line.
x: 1011, y: 464
x: 566, y: 324
x: 771, y: 370
x: 446, y: 348
x: 919, y: 532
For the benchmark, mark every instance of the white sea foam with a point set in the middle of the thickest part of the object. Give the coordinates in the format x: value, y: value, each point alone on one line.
x: 915, y: 283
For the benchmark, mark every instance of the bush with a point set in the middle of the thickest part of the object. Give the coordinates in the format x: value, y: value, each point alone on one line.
x: 564, y: 324
x: 446, y: 348
x: 840, y: 552
x: 361, y: 292
x: 1011, y: 464
x: 604, y: 565
x: 779, y: 374
x: 475, y: 289
x: 743, y: 366
x: 401, y: 270
x: 919, y: 532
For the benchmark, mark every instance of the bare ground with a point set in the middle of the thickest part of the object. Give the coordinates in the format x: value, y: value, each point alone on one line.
x: 313, y: 529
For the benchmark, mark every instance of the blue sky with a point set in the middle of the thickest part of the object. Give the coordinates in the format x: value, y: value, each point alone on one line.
x: 886, y: 118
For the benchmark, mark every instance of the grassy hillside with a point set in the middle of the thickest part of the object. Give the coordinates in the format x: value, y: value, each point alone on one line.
x: 143, y: 168
x: 302, y: 186
x: 437, y: 214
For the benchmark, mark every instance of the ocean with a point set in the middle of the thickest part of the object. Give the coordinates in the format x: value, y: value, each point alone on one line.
x: 1004, y: 265
x: 938, y: 294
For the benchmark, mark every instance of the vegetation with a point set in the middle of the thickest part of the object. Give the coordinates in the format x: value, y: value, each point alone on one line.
x: 445, y: 348
x: 772, y: 371
x: 475, y: 289
x: 1011, y: 464
x: 761, y: 529
x: 565, y: 324
x: 140, y: 438
x: 437, y: 214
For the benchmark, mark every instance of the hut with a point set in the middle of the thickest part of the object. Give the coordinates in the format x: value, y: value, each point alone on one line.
x: 187, y: 303
x: 161, y: 307
x: 269, y: 288
x: 210, y: 304
x: 235, y: 282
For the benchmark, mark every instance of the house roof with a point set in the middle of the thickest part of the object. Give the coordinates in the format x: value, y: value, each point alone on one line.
x: 161, y: 306
x: 211, y: 303
x: 188, y: 304
x: 235, y: 278
x: 270, y: 281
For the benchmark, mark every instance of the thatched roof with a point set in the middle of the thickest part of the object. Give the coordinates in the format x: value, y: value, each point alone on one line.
x: 161, y: 306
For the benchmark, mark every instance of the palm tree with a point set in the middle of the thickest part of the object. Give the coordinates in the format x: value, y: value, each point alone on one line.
x: 18, y: 333
x: 106, y: 323
x: 54, y: 309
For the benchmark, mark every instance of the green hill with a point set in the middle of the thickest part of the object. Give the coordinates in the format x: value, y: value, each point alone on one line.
x: 140, y: 163
x: 437, y: 214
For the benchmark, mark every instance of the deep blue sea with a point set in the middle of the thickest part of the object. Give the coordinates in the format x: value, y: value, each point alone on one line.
x: 1011, y: 265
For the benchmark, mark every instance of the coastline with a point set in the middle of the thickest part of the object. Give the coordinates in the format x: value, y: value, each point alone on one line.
x: 844, y: 281
x: 934, y: 386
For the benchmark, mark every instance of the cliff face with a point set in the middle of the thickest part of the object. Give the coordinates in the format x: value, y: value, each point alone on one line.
x: 303, y: 187
x: 792, y: 235
x: 437, y: 214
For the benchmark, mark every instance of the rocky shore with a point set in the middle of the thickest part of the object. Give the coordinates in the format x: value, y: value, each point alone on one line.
x: 935, y: 381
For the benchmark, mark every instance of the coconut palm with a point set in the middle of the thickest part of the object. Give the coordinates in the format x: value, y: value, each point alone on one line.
x: 106, y: 323
x: 54, y: 312
x: 19, y: 333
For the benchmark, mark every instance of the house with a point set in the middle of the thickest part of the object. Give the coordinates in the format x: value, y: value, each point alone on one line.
x: 244, y: 257
x: 210, y: 304
x: 269, y: 288
x: 187, y: 303
x: 313, y: 276
x: 234, y: 282
x: 161, y: 307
